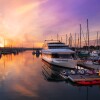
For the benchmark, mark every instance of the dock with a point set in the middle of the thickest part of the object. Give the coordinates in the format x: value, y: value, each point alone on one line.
x: 83, y: 76
x: 76, y: 78
x: 85, y: 79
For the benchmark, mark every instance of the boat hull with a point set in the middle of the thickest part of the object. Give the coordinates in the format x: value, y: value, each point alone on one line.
x: 66, y: 63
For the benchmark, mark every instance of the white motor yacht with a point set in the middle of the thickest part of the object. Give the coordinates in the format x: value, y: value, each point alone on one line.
x: 57, y: 53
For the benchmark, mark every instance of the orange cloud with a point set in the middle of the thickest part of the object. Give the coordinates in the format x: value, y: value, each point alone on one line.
x: 20, y: 17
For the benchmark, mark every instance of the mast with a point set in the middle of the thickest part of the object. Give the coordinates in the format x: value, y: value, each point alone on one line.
x: 75, y: 40
x: 97, y: 41
x: 61, y: 39
x: 88, y: 35
x: 78, y: 41
x: 70, y: 40
x: 66, y: 39
x: 80, y: 36
x: 97, y: 38
x: 57, y: 37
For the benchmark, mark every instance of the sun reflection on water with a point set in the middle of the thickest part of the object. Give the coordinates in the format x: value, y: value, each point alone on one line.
x: 19, y: 74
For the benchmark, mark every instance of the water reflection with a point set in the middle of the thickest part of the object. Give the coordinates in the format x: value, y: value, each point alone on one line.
x: 0, y: 56
x: 51, y: 73
x: 37, y: 55
x: 22, y: 78
x: 17, y: 73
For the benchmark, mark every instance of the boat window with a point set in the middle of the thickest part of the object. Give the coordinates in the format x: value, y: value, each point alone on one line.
x: 58, y: 47
x: 61, y: 56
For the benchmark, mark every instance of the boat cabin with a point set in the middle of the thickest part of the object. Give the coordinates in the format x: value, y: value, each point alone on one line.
x: 55, y: 45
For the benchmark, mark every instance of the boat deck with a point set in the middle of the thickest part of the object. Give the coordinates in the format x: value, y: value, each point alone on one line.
x: 76, y: 78
x: 95, y: 67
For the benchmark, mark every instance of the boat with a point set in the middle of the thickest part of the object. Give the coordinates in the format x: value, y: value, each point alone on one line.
x: 59, y: 54
x: 82, y: 54
x: 95, y: 53
x: 94, y: 82
x: 95, y: 59
x: 91, y: 63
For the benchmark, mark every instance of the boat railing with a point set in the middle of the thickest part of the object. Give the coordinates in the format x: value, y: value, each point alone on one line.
x: 52, y: 40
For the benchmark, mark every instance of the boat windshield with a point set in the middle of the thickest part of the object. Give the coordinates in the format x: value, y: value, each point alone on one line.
x: 58, y: 47
x: 63, y: 56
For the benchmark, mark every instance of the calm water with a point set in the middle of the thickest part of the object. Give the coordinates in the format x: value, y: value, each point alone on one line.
x: 26, y: 77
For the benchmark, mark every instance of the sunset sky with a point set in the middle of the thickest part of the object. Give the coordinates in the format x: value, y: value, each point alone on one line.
x: 30, y: 22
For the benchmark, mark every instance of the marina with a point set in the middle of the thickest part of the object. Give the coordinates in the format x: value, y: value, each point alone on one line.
x: 49, y: 50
